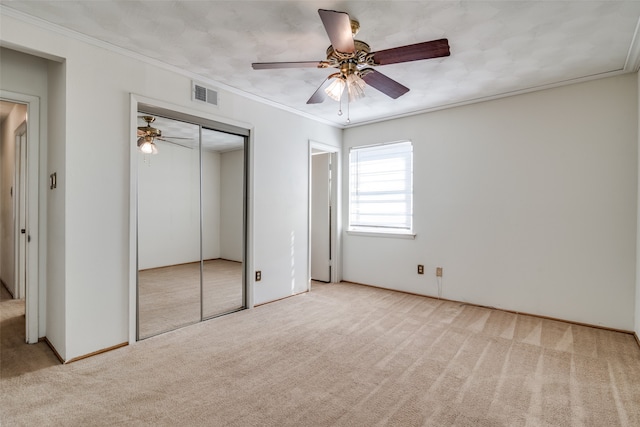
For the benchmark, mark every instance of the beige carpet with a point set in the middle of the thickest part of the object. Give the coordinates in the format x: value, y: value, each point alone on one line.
x: 16, y: 357
x: 169, y: 297
x: 346, y: 355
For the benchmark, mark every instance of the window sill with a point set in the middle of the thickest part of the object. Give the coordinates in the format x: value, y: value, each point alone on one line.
x: 409, y: 236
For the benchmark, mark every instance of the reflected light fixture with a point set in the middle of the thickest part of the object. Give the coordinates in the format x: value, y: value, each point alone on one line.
x: 147, y: 136
x: 147, y: 145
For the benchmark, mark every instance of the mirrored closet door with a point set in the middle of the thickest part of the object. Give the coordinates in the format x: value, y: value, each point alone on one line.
x: 191, y: 220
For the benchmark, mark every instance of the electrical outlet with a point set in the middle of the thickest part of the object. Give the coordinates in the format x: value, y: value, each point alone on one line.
x: 420, y: 269
x: 438, y: 271
x: 258, y: 275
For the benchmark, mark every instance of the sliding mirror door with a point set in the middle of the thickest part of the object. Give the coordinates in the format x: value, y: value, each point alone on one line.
x: 169, y: 230
x: 222, y: 222
x: 191, y: 201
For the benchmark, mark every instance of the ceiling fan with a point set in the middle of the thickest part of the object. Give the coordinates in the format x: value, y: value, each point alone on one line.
x: 148, y: 134
x: 354, y: 59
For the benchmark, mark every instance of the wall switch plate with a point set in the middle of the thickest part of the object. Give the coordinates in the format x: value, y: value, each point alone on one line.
x: 420, y: 269
x: 258, y: 275
x: 438, y: 271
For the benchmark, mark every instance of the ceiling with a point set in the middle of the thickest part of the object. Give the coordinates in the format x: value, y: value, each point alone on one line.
x: 497, y: 47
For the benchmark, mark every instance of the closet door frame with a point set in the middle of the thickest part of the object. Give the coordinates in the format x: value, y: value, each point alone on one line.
x: 160, y: 108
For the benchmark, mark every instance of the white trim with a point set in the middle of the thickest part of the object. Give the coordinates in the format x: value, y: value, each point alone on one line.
x: 379, y: 234
x: 632, y: 63
x: 151, y: 61
x: 133, y: 218
x: 584, y: 79
x: 35, y: 252
x: 336, y: 197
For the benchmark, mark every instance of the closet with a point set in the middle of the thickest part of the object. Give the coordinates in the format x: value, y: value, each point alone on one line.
x: 191, y: 220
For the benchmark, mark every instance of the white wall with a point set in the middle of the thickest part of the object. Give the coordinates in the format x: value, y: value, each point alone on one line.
x: 8, y: 194
x: 528, y: 202
x: 211, y: 204
x: 169, y: 206
x: 231, y: 206
x: 95, y: 181
x: 55, y: 256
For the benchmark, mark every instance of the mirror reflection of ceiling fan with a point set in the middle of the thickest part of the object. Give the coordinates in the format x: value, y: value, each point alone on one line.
x: 147, y: 135
x: 354, y: 59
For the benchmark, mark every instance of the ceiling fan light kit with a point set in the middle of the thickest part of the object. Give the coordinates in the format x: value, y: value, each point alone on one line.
x: 146, y: 145
x: 147, y: 136
x: 354, y: 59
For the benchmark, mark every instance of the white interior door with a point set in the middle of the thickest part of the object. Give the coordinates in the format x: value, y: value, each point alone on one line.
x: 321, y: 217
x: 26, y: 195
x: 21, y: 214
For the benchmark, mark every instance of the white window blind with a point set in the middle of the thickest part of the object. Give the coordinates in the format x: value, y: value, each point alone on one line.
x: 381, y: 188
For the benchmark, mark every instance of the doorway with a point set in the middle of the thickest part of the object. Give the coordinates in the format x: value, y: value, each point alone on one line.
x: 321, y: 255
x: 19, y: 204
x: 191, y: 220
x: 323, y: 213
x: 19, y: 211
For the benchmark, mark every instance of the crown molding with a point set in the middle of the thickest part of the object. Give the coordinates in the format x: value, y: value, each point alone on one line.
x: 598, y: 76
x: 632, y: 64
x: 75, y: 35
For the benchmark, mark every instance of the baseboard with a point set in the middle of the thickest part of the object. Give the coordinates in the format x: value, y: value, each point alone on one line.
x: 573, y: 322
x: 224, y: 259
x: 7, y: 288
x: 46, y: 341
x: 75, y: 359
x: 280, y: 299
x: 104, y: 350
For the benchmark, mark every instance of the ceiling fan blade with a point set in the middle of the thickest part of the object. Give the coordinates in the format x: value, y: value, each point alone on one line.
x: 320, y: 95
x: 384, y: 84
x: 412, y: 52
x: 338, y: 27
x: 301, y: 64
x: 179, y: 143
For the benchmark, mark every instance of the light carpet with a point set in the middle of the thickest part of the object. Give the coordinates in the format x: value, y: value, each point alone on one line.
x: 346, y: 355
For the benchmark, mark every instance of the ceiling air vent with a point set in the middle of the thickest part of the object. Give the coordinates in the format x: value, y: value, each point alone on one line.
x: 202, y: 93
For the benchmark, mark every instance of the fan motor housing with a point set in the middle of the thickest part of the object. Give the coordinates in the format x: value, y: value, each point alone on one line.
x: 362, y: 49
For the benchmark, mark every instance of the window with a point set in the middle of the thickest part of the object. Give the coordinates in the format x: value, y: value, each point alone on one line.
x: 381, y: 188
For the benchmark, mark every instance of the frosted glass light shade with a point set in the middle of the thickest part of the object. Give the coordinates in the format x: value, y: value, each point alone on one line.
x: 335, y: 89
x: 146, y: 145
x: 355, y: 86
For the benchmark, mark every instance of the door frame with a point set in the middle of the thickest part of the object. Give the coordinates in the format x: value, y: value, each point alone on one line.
x: 248, y: 281
x: 34, y: 258
x: 336, y: 223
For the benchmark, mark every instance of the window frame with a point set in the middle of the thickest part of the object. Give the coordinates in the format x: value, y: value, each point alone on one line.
x: 381, y: 229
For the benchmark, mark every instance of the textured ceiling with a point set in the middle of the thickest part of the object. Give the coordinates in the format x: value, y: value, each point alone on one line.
x: 497, y: 47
